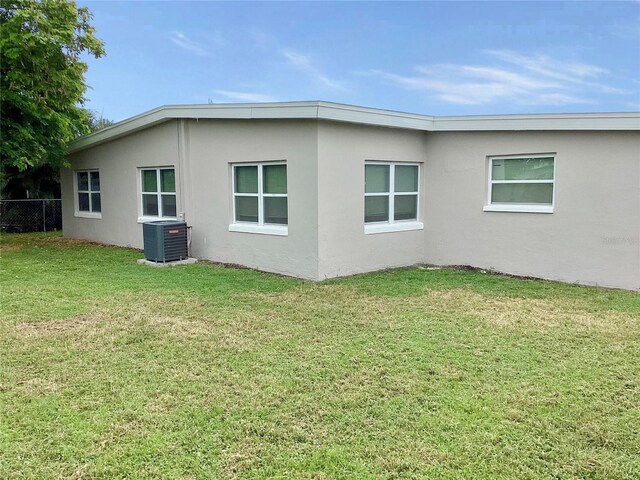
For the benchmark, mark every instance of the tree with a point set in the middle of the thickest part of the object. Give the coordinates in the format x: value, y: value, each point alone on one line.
x: 95, y: 121
x: 42, y: 181
x: 42, y: 81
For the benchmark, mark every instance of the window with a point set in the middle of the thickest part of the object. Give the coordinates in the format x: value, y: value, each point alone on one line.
x: 260, y: 198
x: 88, y: 202
x: 158, y: 192
x: 521, y: 184
x: 391, y: 196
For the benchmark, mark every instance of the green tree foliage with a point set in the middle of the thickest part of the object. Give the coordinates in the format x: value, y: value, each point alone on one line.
x: 42, y: 80
x: 95, y: 121
x: 42, y: 181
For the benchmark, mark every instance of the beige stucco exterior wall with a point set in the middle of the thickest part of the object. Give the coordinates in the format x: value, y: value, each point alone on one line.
x: 213, y: 145
x: 202, y: 153
x: 593, y: 236
x: 118, y: 162
x: 344, y: 248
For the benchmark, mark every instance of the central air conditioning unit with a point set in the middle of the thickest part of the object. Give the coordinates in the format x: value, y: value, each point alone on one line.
x: 165, y: 241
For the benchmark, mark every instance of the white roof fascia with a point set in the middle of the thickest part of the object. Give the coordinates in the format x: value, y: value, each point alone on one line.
x: 360, y: 115
x: 119, y: 129
x: 540, y: 122
x: 169, y: 112
x: 290, y: 110
x: 373, y: 116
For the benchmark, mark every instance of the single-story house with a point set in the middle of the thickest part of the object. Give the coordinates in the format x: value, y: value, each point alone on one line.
x: 319, y: 190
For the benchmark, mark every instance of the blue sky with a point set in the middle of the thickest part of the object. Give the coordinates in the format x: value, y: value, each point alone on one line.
x: 436, y: 58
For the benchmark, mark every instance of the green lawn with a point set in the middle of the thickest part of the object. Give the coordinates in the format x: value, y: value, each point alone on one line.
x: 109, y: 369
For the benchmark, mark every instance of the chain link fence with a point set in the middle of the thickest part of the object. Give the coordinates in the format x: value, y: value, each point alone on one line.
x: 33, y: 215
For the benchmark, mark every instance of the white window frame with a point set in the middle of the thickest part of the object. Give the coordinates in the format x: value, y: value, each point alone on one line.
x: 260, y: 227
x: 84, y: 213
x: 149, y: 218
x: 519, y: 207
x: 392, y: 225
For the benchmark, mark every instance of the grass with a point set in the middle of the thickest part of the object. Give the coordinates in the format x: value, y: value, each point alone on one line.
x: 109, y: 369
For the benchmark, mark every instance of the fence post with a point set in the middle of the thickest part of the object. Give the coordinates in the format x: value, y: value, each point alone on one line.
x: 44, y: 217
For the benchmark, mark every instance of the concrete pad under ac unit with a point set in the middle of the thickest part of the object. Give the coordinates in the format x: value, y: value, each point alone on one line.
x: 175, y: 263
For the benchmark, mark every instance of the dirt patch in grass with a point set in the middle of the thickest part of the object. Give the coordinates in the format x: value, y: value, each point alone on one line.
x: 140, y: 316
x: 75, y: 242
x: 67, y: 241
x: 469, y: 268
x: 37, y: 386
x: 9, y: 247
x: 502, y: 312
x: 508, y: 312
x: 177, y: 317
x: 34, y: 329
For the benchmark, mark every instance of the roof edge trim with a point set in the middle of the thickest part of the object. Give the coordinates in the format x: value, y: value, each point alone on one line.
x: 360, y: 115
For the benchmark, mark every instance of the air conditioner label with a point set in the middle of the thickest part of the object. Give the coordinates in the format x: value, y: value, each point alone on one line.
x: 174, y: 231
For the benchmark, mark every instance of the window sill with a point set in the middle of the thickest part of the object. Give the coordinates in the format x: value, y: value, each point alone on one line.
x: 373, y: 228
x: 519, y: 208
x: 281, y: 230
x: 96, y: 215
x: 154, y: 219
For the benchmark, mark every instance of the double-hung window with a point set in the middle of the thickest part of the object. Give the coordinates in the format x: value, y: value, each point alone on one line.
x: 158, y: 190
x: 260, y: 198
x: 88, y: 201
x: 392, y: 197
x: 521, y: 184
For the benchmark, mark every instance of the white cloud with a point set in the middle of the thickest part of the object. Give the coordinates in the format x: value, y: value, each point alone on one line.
x: 513, y: 77
x: 186, y: 43
x: 303, y: 62
x: 571, y: 72
x: 555, y: 99
x: 246, y: 96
